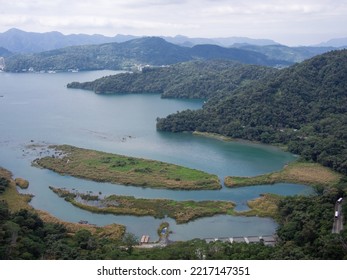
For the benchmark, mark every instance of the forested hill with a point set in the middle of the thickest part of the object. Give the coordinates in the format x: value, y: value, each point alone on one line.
x: 4, y: 52
x: 194, y: 79
x: 114, y: 56
x: 303, y: 106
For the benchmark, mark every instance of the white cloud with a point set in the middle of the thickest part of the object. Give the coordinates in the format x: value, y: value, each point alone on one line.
x: 200, y: 18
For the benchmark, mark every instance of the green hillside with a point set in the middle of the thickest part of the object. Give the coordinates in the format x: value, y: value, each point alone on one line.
x: 194, y: 79
x: 303, y: 107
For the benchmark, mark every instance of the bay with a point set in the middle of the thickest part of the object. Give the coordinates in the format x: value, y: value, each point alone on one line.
x: 39, y: 109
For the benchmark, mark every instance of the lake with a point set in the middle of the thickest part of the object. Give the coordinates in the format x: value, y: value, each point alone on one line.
x: 39, y: 109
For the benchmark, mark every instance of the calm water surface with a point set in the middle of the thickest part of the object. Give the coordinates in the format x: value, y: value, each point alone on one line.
x: 39, y: 108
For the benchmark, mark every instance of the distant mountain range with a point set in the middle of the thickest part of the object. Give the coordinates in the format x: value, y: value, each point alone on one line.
x: 337, y: 43
x: 18, y: 41
x: 142, y: 51
x: 54, y: 51
x: 292, y: 54
x: 224, y: 42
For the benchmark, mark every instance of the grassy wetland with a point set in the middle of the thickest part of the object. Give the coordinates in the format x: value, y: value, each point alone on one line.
x: 17, y: 201
x: 14, y: 199
x: 312, y: 174
x: 264, y: 206
x: 118, y: 169
x: 181, y: 211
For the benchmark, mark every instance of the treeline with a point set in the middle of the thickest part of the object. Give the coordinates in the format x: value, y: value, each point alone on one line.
x: 306, y: 234
x: 303, y: 107
x: 24, y: 236
x: 194, y: 79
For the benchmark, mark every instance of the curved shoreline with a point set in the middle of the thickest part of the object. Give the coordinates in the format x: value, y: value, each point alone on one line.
x: 214, y: 136
x: 17, y: 201
x: 311, y: 174
x: 118, y: 169
x: 240, y: 140
x: 297, y: 172
x: 181, y: 211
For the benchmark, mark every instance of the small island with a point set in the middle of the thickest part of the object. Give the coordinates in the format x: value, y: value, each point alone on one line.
x: 181, y: 211
x: 118, y: 169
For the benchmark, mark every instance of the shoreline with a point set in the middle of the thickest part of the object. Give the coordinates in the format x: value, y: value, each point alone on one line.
x: 297, y: 172
x: 181, y: 211
x: 214, y: 136
x: 264, y: 206
x: 18, y: 201
x: 125, y: 170
x: 306, y: 173
x: 221, y: 137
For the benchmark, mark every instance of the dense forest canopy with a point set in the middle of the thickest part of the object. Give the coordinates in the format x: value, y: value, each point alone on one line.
x: 193, y: 79
x: 303, y: 106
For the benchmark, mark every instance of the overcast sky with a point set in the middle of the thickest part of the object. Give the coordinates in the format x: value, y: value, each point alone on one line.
x: 290, y: 22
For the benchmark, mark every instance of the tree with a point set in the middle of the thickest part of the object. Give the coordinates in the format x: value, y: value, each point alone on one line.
x: 129, y: 240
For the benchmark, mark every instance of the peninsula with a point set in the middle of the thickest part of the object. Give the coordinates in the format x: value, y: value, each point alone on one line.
x: 181, y: 211
x: 307, y: 173
x: 118, y: 169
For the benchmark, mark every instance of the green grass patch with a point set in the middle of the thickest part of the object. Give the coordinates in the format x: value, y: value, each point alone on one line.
x: 22, y: 183
x: 312, y: 174
x: 264, y: 206
x: 118, y: 169
x: 14, y: 199
x: 9, y: 193
x: 181, y: 211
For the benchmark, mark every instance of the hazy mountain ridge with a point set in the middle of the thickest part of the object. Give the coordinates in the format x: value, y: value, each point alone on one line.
x: 86, y: 53
x: 293, y: 54
x: 141, y: 51
x: 223, y: 42
x: 19, y: 41
x: 336, y: 42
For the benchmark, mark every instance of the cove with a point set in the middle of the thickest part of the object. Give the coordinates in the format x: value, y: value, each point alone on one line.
x: 39, y: 108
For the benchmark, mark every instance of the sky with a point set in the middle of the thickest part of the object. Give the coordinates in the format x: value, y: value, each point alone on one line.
x: 289, y: 22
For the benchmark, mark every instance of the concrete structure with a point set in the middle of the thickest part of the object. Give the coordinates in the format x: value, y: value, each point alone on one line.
x: 268, y: 240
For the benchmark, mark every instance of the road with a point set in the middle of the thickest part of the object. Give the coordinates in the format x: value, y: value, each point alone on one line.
x: 338, y: 222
